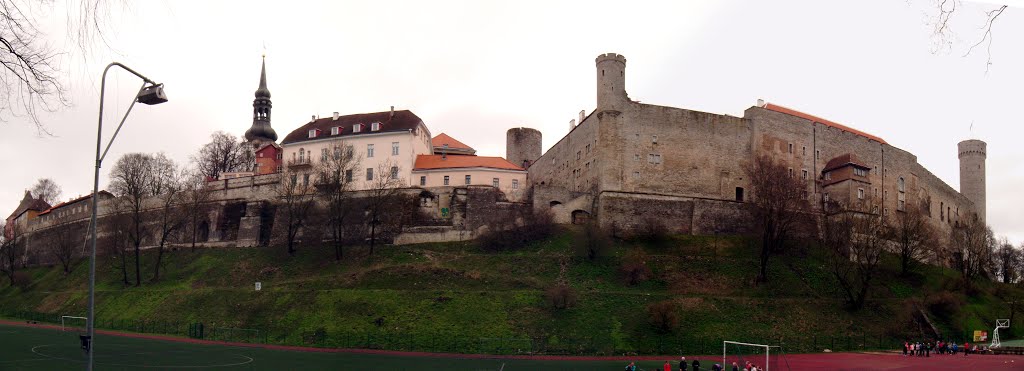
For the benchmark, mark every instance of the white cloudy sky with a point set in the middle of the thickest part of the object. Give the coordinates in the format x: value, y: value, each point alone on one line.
x: 474, y: 69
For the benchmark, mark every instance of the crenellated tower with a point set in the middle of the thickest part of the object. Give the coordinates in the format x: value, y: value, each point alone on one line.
x: 611, y: 82
x: 972, y: 153
x: 261, y: 132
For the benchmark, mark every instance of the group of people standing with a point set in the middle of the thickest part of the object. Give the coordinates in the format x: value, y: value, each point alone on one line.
x: 926, y: 348
x: 695, y: 366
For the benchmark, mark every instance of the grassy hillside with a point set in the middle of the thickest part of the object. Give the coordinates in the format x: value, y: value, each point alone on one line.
x: 455, y: 297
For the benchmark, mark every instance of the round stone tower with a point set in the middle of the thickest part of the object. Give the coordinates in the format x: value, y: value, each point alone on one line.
x: 972, y: 173
x: 611, y: 82
x: 522, y: 146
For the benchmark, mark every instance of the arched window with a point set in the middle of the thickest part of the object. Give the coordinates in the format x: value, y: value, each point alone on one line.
x: 901, y: 185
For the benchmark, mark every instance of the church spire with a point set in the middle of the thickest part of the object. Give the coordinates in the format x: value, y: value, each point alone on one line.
x: 261, y: 132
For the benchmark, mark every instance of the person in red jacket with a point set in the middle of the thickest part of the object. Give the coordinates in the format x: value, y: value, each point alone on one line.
x: 667, y: 367
x: 967, y: 348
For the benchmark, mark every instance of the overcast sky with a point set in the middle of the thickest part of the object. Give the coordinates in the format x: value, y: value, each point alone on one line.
x: 474, y: 69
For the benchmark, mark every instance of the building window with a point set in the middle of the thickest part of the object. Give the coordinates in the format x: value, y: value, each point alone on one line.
x: 369, y: 173
x: 739, y: 194
x: 280, y: 155
x: 279, y: 168
x: 348, y: 175
x: 369, y: 150
x: 423, y: 180
x: 394, y: 172
x: 468, y: 179
x: 375, y: 126
x: 817, y: 154
x: 825, y: 197
x: 790, y: 172
x: 323, y: 154
x: 578, y: 153
x: 901, y: 206
x: 901, y: 185
x: 654, y: 139
x: 804, y: 149
x: 875, y: 209
x: 305, y: 180
x: 828, y: 175
x: 885, y: 211
x: 942, y: 211
x: 636, y: 157
x: 494, y: 182
x: 335, y: 130
x: 804, y: 173
x: 588, y: 149
x: 860, y: 193
x: 302, y: 155
x: 791, y: 148
x: 636, y: 174
x: 295, y: 179
x: 312, y: 133
x: 446, y: 178
x: 654, y: 158
x: 515, y: 183
x: 860, y: 172
x: 394, y: 148
x: 357, y: 128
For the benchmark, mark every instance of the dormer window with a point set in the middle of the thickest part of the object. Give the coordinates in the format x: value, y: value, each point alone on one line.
x: 375, y: 126
x: 357, y: 128
x: 860, y: 172
x: 312, y: 133
x: 335, y: 130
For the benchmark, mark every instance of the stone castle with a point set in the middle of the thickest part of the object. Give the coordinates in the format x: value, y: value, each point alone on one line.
x: 625, y: 165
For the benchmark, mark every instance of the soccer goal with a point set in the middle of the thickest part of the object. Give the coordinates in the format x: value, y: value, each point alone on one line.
x: 72, y: 323
x: 765, y: 357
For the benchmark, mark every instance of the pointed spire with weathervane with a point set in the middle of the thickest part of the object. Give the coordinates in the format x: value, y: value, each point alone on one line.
x: 261, y: 132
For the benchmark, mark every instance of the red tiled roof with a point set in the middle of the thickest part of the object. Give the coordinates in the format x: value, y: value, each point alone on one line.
x: 62, y: 204
x: 29, y: 203
x: 403, y: 120
x: 793, y: 112
x: 431, y: 162
x: 441, y: 139
x: 844, y: 160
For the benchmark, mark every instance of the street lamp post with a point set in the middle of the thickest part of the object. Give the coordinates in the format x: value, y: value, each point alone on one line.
x: 150, y: 93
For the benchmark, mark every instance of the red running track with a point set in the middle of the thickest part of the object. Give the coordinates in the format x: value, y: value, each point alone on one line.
x: 816, y: 361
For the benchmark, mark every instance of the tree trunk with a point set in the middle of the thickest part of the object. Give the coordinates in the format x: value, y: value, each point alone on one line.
x: 138, y: 272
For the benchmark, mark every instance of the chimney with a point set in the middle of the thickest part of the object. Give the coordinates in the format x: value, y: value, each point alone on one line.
x: 760, y: 102
x: 444, y: 152
x: 312, y: 118
x: 335, y: 115
x: 392, y: 112
x: 583, y: 115
x: 572, y: 124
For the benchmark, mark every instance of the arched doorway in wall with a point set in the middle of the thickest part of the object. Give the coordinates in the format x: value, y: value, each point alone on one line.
x: 203, y: 232
x: 580, y: 217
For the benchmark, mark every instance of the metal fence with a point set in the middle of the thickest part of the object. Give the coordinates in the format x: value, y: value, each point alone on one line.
x: 654, y: 344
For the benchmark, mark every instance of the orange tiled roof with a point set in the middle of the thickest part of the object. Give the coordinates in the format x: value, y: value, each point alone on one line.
x: 62, y: 204
x: 844, y: 160
x: 793, y: 112
x: 431, y: 162
x: 441, y: 139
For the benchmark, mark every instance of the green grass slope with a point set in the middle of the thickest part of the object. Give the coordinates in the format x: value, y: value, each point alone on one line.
x: 455, y: 297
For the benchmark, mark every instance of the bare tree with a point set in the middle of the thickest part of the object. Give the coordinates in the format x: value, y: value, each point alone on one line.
x: 381, y: 198
x: 65, y: 235
x: 295, y: 199
x: 47, y: 190
x: 224, y: 153
x: 11, y: 250
x: 913, y: 237
x: 971, y: 244
x: 116, y: 242
x: 195, y: 197
x: 855, y: 242
x: 1006, y: 261
x: 166, y: 186
x: 943, y: 33
x: 130, y: 182
x: 780, y: 204
x: 335, y: 183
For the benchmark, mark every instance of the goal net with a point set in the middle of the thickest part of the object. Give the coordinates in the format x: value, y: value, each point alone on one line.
x: 764, y: 357
x: 72, y: 323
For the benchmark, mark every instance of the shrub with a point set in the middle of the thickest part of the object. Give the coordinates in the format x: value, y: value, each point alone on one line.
x: 561, y: 296
x: 663, y: 316
x: 21, y: 280
x: 944, y: 304
x: 634, y: 268
x: 536, y: 226
x: 593, y: 243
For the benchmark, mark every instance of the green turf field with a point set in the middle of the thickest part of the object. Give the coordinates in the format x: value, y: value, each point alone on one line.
x: 24, y: 348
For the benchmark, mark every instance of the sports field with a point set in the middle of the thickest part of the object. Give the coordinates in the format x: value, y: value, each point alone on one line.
x: 36, y: 347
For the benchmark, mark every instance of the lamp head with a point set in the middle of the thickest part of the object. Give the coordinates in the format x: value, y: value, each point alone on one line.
x: 153, y: 94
